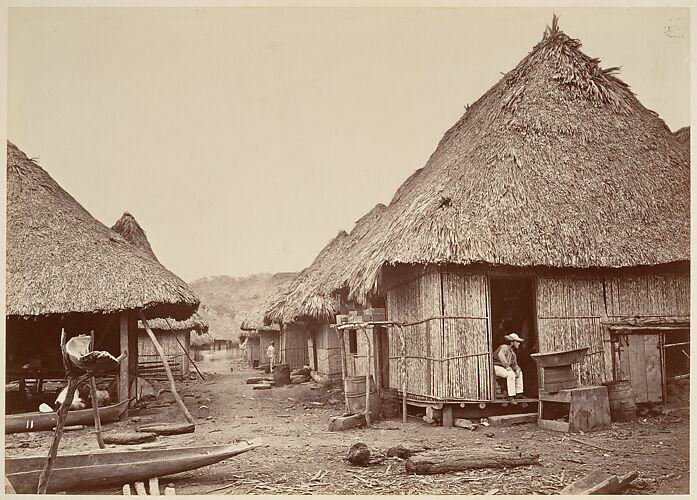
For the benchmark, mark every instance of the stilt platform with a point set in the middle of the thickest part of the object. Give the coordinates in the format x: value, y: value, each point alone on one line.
x: 447, y: 411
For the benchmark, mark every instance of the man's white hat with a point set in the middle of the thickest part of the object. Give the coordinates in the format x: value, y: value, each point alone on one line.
x: 513, y: 336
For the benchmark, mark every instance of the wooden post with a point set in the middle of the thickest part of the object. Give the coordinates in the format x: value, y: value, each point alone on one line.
x: 342, y: 348
x: 95, y: 408
x: 122, y: 386
x: 172, y: 386
x: 367, y: 380
x: 62, y: 415
x: 403, y: 367
x: 132, y: 361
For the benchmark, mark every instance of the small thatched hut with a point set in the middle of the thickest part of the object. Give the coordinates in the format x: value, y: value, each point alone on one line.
x: 260, y: 333
x: 315, y: 298
x: 66, y: 270
x: 174, y: 336
x: 556, y: 207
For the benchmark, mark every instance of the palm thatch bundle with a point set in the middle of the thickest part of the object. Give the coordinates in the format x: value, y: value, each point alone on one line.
x: 313, y: 294
x: 557, y: 165
x: 683, y: 135
x: 253, y: 320
x: 62, y: 260
x: 128, y: 227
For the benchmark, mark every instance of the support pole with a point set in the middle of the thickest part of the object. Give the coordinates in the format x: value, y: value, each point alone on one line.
x: 95, y: 410
x: 172, y: 386
x: 73, y: 381
x: 95, y: 404
x: 403, y: 363
x: 342, y: 348
x: 367, y: 380
x: 185, y: 352
x: 123, y: 382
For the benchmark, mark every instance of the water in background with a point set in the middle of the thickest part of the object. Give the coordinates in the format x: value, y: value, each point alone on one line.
x: 218, y: 360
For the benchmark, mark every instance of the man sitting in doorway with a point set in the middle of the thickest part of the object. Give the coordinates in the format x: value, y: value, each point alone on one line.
x: 506, y: 365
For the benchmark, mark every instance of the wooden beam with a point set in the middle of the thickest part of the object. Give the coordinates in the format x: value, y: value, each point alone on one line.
x: 172, y: 385
x: 122, y: 386
x: 133, y: 357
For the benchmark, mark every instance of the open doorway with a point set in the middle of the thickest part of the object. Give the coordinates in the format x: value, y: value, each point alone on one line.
x: 513, y: 311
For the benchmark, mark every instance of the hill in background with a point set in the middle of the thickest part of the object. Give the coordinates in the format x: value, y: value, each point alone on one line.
x: 226, y: 299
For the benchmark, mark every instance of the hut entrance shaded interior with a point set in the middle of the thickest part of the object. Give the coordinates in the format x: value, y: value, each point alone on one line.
x: 513, y: 310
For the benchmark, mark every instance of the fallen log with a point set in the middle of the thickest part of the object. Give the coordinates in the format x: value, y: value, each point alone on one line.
x: 455, y: 461
x: 167, y: 429
x: 255, y: 380
x: 129, y: 437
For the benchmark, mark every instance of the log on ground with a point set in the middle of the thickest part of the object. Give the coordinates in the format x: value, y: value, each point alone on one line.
x: 129, y: 437
x: 458, y: 460
x: 167, y: 429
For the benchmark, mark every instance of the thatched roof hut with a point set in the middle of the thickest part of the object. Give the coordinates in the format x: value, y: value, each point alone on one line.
x: 253, y: 320
x: 557, y: 165
x: 62, y: 260
x: 310, y: 294
x: 128, y: 227
x: 313, y: 295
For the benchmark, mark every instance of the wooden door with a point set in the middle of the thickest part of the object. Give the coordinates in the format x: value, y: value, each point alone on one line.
x: 640, y: 363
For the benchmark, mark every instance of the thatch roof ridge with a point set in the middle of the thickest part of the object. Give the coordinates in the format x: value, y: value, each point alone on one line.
x: 62, y: 260
x: 558, y: 165
x: 310, y: 294
x: 254, y: 319
x: 128, y: 227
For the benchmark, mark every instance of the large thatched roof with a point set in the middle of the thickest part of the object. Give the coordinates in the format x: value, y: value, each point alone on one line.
x: 313, y: 294
x: 558, y: 164
x: 128, y: 227
x: 62, y: 260
x: 253, y: 320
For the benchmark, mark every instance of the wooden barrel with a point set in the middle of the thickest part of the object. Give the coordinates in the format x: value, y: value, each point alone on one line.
x: 354, y: 388
x: 622, y: 401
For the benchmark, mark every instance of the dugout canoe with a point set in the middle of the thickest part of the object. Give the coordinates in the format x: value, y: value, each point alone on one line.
x: 37, y: 421
x: 101, y: 468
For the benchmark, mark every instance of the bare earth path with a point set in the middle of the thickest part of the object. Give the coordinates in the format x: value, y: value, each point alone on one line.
x: 301, y: 457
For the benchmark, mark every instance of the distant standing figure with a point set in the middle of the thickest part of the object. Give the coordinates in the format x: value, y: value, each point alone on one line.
x: 506, y: 365
x: 271, y: 354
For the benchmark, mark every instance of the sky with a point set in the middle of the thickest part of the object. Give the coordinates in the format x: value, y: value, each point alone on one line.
x: 244, y: 139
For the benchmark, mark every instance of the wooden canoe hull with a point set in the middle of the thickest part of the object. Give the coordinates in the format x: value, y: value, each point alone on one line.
x: 101, y: 469
x: 36, y: 421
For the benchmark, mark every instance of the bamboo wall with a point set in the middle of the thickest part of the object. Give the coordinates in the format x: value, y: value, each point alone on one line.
x: 294, y: 340
x: 168, y: 341
x: 569, y: 309
x: 445, y: 358
x: 253, y: 352
x: 328, y: 351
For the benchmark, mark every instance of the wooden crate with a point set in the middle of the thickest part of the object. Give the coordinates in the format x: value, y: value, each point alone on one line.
x: 588, y: 409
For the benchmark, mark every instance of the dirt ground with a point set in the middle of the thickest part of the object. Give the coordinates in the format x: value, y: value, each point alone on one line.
x: 300, y: 456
